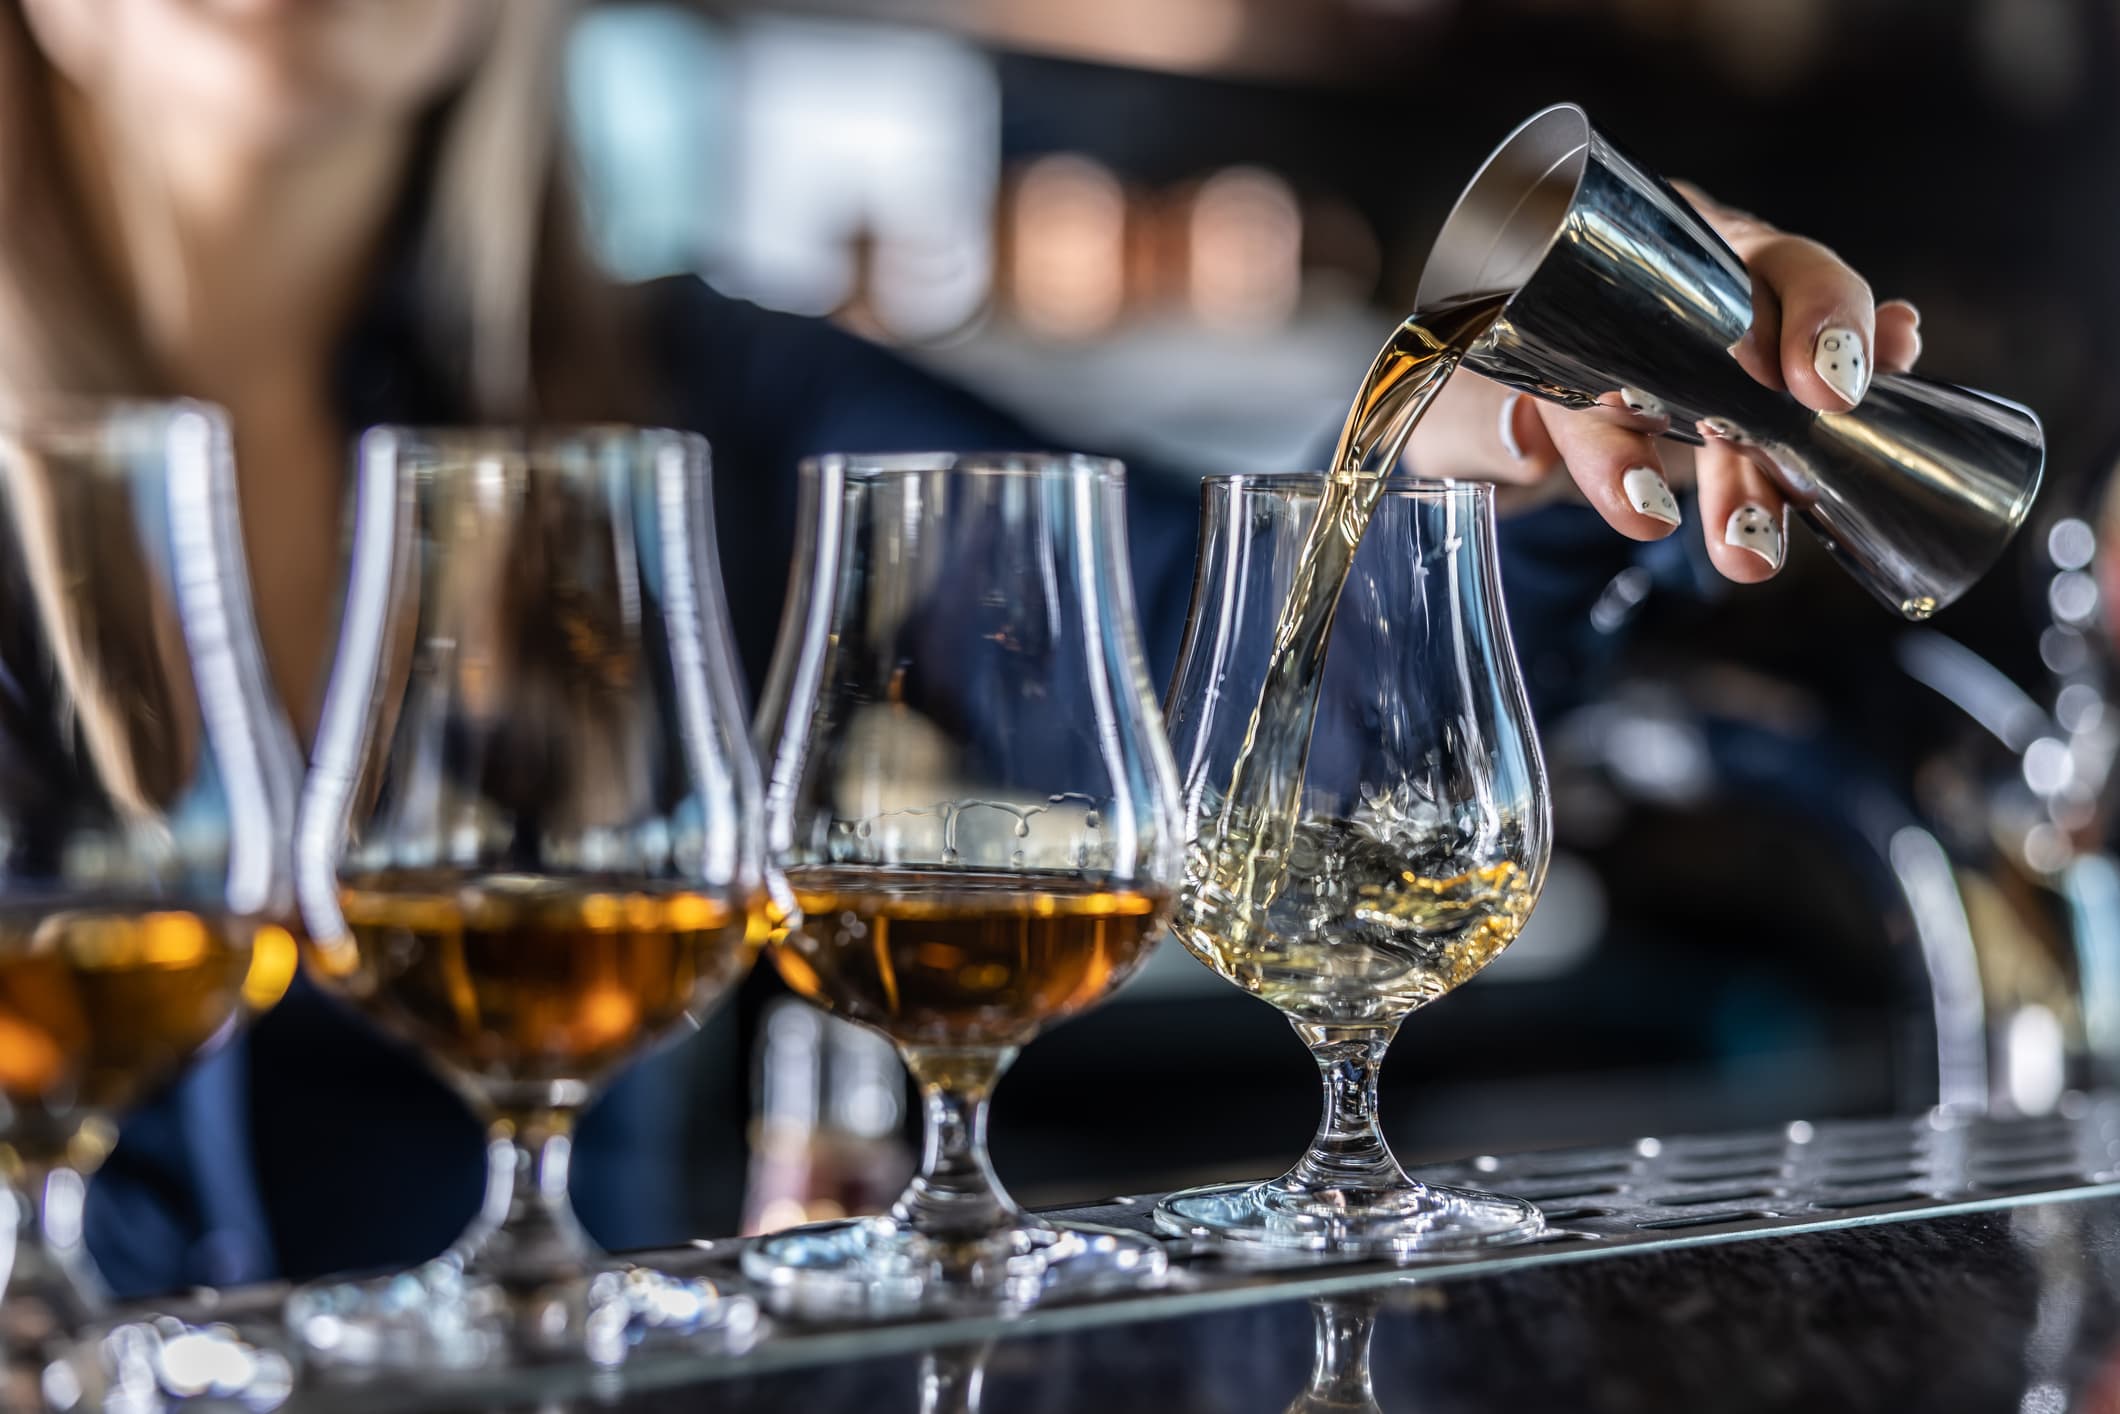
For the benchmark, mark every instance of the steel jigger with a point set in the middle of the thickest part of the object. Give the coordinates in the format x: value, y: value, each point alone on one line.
x: 1620, y: 295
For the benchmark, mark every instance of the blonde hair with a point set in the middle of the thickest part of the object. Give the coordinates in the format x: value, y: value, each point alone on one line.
x: 511, y: 304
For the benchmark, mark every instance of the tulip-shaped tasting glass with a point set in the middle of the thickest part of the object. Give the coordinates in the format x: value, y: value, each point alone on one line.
x: 147, y: 783
x: 531, y: 844
x: 1407, y: 848
x: 971, y: 796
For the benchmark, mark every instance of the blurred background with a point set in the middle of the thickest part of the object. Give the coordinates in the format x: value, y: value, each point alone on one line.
x: 1812, y: 861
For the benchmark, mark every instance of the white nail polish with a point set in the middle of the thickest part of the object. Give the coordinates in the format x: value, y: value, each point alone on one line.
x: 1843, y: 363
x: 1506, y: 426
x: 1722, y: 427
x: 1650, y: 494
x: 1642, y: 404
x: 1757, y: 529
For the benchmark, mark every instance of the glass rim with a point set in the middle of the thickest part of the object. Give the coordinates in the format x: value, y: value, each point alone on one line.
x: 1399, y: 483
x: 1028, y: 466
x: 515, y: 436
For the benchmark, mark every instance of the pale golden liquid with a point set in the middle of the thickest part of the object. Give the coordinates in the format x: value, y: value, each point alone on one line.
x: 1362, y: 929
x: 97, y: 1006
x: 523, y: 979
x: 953, y: 958
x: 1252, y: 907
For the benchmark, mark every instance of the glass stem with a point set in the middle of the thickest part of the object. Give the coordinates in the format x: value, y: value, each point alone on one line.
x: 955, y: 1196
x: 1349, y: 1151
x: 51, y: 1286
x: 951, y: 1377
x: 1339, y: 1372
x: 527, y: 1226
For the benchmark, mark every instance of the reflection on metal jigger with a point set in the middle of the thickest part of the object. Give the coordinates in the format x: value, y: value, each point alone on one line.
x: 1339, y: 1371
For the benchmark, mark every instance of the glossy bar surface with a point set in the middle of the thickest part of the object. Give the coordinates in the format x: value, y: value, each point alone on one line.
x: 1924, y: 1263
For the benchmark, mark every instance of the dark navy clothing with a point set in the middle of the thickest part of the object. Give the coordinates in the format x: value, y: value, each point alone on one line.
x: 315, y: 1145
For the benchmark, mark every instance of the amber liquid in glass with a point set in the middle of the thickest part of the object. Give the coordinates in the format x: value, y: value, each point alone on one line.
x: 97, y: 1005
x: 957, y: 958
x: 523, y: 979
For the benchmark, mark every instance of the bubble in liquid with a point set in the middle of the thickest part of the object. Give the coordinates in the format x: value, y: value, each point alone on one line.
x: 862, y: 829
x: 1016, y: 859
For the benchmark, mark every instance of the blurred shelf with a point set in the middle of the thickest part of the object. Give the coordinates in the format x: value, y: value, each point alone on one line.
x: 1183, y: 397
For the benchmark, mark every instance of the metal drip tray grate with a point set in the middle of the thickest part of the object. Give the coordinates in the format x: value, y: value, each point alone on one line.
x: 1803, y: 1175
x: 1804, y: 1172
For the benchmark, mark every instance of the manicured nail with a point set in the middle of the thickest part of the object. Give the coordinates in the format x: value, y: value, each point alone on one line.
x: 1506, y: 426
x: 1650, y: 494
x: 1722, y: 427
x: 1642, y: 404
x: 1757, y: 529
x: 1841, y: 360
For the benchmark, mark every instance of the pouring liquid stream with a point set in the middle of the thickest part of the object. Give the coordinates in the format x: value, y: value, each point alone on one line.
x: 1245, y: 841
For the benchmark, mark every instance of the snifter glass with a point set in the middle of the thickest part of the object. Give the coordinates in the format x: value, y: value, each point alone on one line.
x: 1417, y: 849
x: 530, y: 844
x: 973, y: 801
x: 147, y: 782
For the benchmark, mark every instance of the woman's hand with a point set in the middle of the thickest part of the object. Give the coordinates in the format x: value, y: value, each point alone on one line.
x: 1816, y: 333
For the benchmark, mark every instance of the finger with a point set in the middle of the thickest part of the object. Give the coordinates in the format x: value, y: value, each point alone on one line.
x: 1814, y: 319
x: 1758, y: 349
x: 1477, y: 430
x: 1635, y: 410
x: 1828, y: 321
x: 1619, y: 471
x: 1522, y: 432
x: 1729, y: 222
x: 1743, y: 517
x: 1758, y: 352
x: 1898, y: 336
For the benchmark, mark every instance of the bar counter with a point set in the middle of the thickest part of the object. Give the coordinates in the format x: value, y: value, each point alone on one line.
x: 1929, y: 1263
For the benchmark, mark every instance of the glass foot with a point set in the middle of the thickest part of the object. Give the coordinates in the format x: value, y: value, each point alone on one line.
x: 881, y: 1267
x: 1280, y: 1217
x: 443, y: 1316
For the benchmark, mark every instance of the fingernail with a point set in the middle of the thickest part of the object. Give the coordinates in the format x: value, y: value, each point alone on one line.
x: 1722, y: 427
x: 1506, y: 426
x: 1642, y: 404
x: 1650, y: 494
x: 1840, y: 360
x: 1757, y: 529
